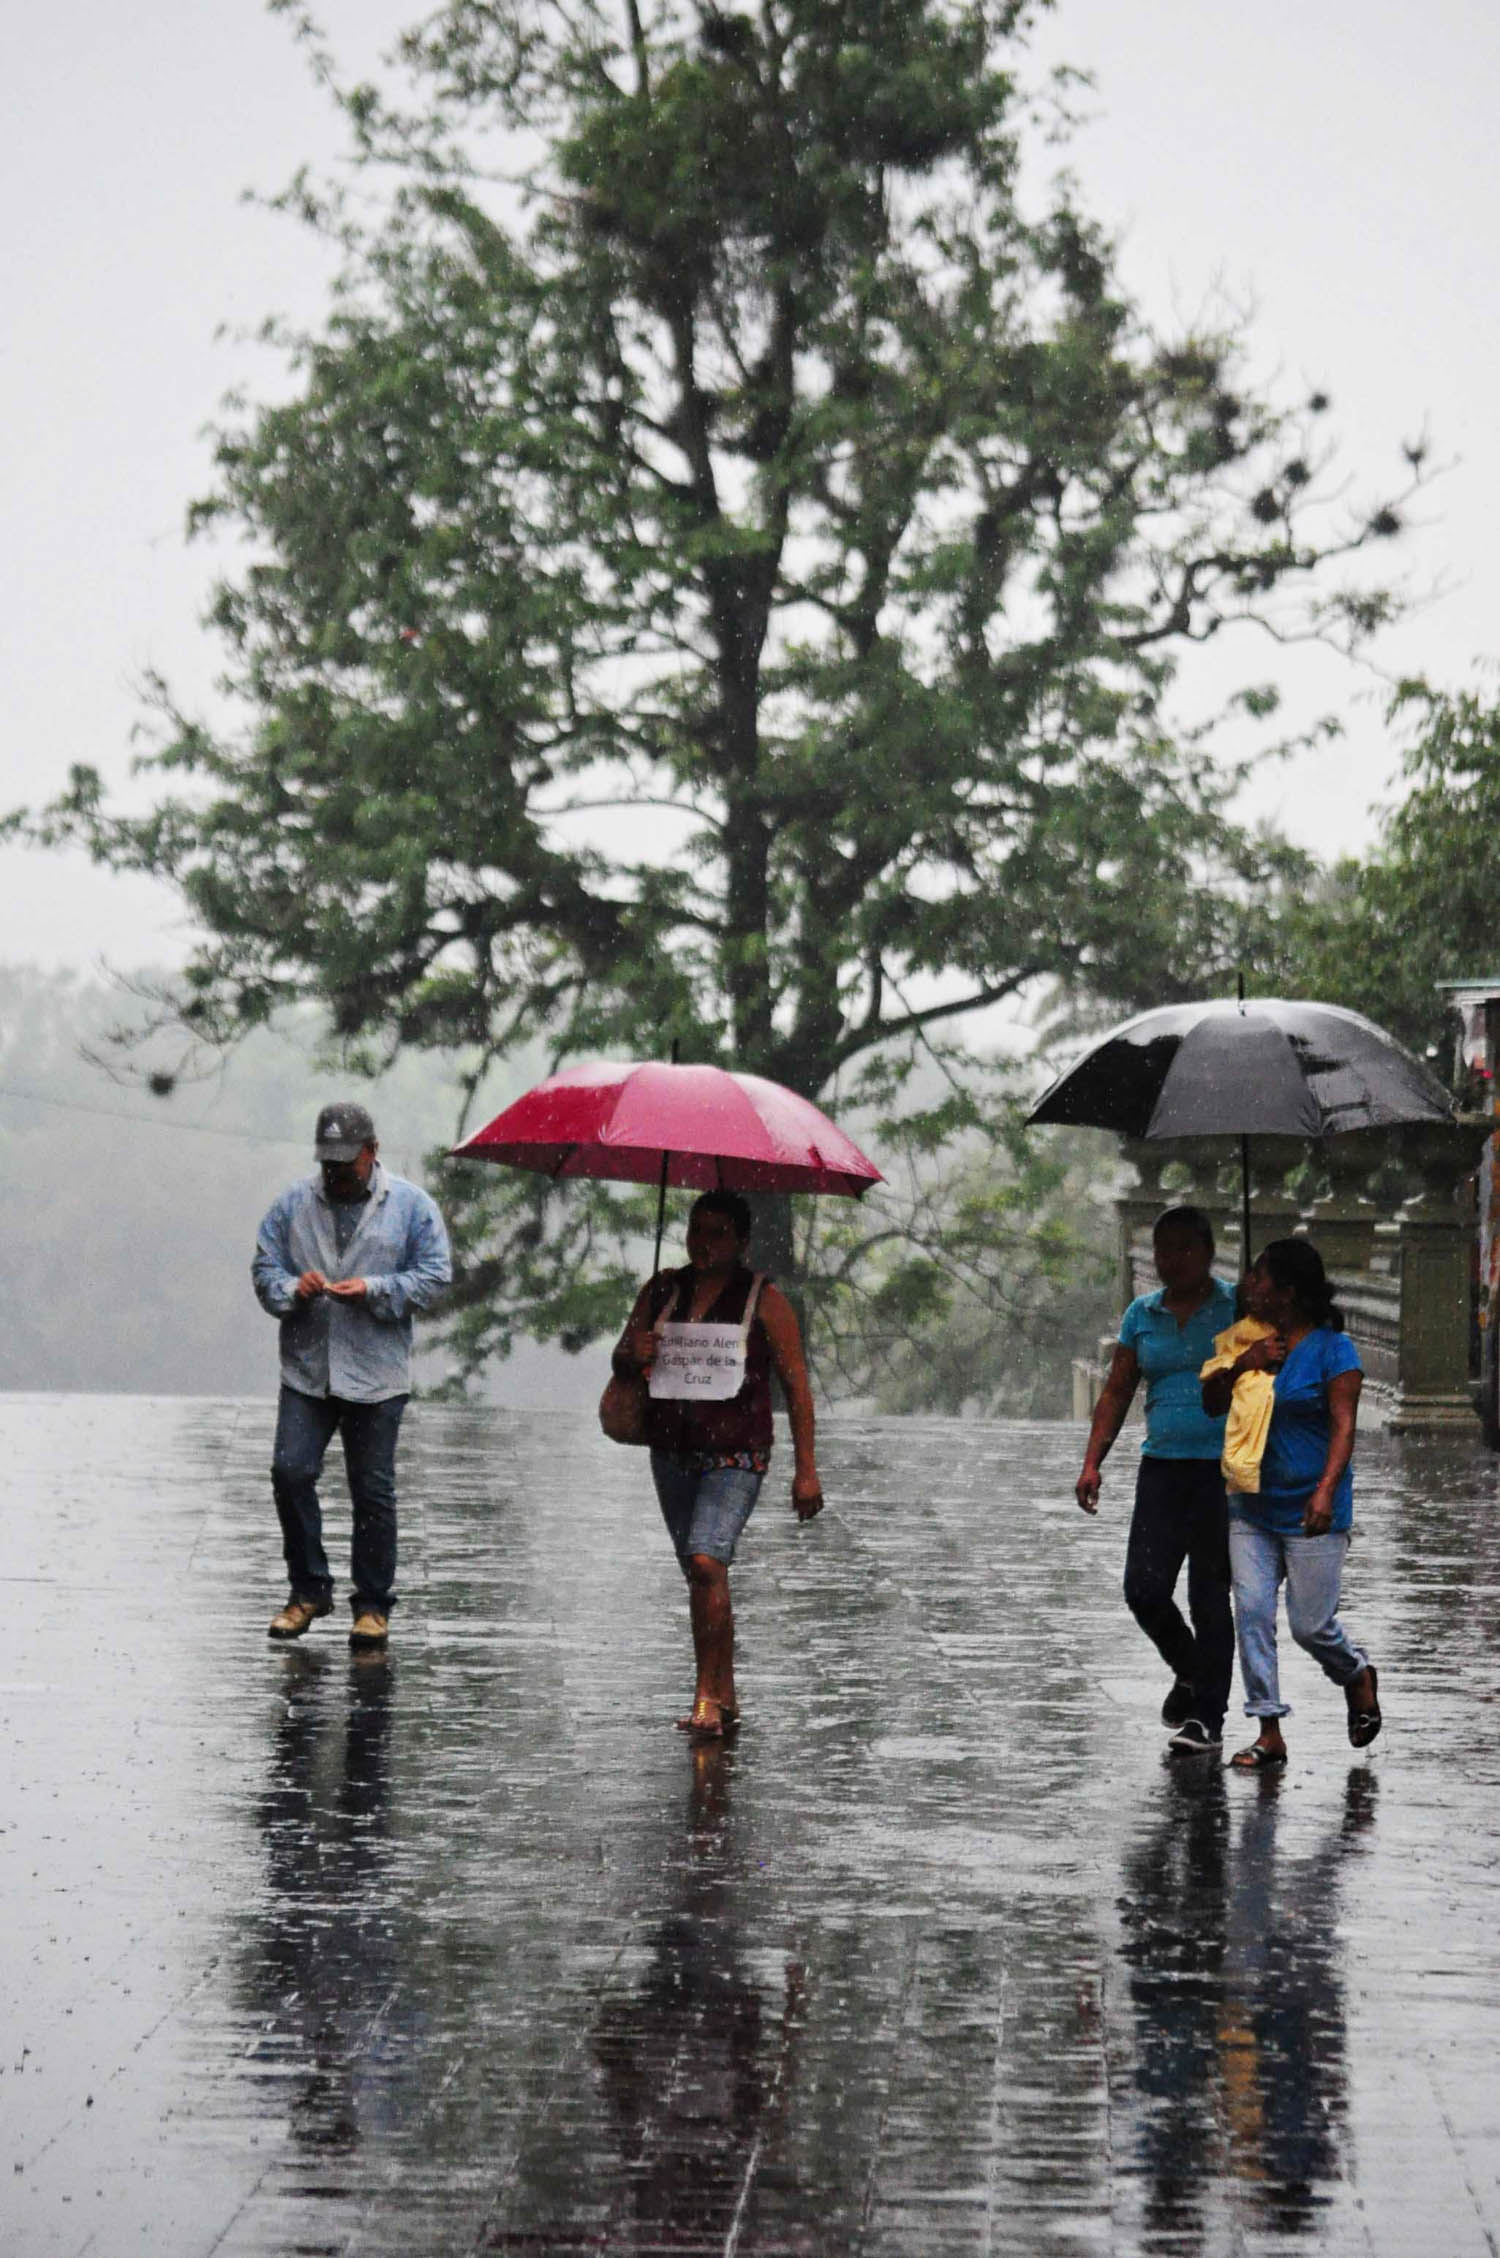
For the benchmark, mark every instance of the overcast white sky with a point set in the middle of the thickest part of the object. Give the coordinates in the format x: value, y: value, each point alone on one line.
x: 1332, y: 163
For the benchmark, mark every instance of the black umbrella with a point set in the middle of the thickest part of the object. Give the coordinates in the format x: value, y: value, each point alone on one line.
x: 1243, y: 1068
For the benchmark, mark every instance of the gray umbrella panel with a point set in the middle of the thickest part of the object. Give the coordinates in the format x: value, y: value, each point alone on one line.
x: 1264, y: 1068
x: 1236, y: 1074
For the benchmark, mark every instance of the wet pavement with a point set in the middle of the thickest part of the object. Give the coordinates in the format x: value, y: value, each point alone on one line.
x: 465, y: 1950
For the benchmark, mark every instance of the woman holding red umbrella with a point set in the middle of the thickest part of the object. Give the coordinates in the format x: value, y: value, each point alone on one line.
x: 709, y: 1337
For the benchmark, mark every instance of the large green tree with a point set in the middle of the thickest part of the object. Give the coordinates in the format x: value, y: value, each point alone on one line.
x: 719, y: 569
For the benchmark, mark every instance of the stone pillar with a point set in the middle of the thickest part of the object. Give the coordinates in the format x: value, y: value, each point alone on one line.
x: 1089, y: 1376
x: 1215, y: 1187
x: 1436, y: 1240
x: 1172, y: 1172
x: 1274, y: 1211
x: 1341, y: 1220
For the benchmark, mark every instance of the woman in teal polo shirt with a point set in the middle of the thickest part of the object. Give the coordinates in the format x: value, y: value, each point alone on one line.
x: 1296, y: 1528
x: 1179, y: 1494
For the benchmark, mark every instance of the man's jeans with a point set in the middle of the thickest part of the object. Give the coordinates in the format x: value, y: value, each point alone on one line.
x: 305, y: 1426
x: 1312, y: 1568
x: 1179, y: 1516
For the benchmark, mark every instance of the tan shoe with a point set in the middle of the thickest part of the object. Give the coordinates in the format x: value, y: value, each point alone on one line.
x: 370, y: 1628
x: 296, y: 1616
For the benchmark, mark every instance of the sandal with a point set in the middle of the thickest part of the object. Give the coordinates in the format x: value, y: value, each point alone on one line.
x: 1257, y: 1758
x: 707, y: 1721
x: 1364, y: 1724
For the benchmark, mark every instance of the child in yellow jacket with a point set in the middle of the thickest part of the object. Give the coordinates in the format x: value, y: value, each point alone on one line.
x: 1249, y: 1420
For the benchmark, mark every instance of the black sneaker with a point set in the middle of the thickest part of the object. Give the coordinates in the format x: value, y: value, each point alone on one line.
x: 1178, y: 1706
x: 1193, y: 1738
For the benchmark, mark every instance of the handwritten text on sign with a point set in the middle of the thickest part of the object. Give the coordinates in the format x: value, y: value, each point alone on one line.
x: 699, y: 1363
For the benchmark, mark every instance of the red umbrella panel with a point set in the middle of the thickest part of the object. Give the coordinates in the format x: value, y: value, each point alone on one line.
x: 703, y: 1128
x: 715, y: 1128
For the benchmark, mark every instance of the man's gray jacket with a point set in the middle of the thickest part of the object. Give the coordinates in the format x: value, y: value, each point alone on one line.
x: 360, y: 1350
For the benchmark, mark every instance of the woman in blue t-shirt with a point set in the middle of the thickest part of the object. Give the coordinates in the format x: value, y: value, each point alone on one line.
x: 1296, y: 1529
x: 1165, y: 1338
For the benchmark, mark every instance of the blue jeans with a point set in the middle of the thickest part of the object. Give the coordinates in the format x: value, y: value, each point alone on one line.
x: 1311, y: 1568
x: 305, y: 1426
x: 704, y: 1509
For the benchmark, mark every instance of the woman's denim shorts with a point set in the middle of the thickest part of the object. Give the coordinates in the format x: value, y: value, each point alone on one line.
x: 704, y: 1509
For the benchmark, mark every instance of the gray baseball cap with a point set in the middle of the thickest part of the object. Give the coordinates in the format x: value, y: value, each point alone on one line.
x: 343, y: 1132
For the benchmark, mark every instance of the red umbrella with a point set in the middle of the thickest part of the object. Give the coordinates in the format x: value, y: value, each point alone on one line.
x: 701, y: 1127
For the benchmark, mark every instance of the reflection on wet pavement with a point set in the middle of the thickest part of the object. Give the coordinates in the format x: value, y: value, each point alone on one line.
x: 466, y: 1950
x: 319, y: 1974
x: 694, y: 2056
x: 1240, y: 2035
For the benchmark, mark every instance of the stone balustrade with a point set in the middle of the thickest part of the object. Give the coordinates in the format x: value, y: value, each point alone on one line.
x: 1392, y: 1213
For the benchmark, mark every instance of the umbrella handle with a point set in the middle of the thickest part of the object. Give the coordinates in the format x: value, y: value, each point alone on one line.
x: 661, y: 1211
x: 1245, y: 1255
x: 661, y: 1191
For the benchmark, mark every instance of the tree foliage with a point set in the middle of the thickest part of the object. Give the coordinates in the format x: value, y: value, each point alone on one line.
x: 1380, y: 932
x: 724, y: 579
x: 970, y: 1279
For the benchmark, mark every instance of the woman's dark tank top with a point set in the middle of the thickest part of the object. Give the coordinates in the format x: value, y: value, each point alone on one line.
x: 743, y: 1422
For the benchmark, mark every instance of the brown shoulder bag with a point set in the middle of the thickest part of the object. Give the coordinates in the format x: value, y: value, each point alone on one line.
x: 622, y: 1407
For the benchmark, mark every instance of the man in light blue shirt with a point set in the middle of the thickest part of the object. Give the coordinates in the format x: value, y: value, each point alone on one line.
x: 343, y: 1259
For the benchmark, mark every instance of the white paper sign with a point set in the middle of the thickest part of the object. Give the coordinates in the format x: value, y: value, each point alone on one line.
x: 698, y: 1363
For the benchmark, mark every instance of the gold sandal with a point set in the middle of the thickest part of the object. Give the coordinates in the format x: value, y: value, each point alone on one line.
x: 707, y: 1720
